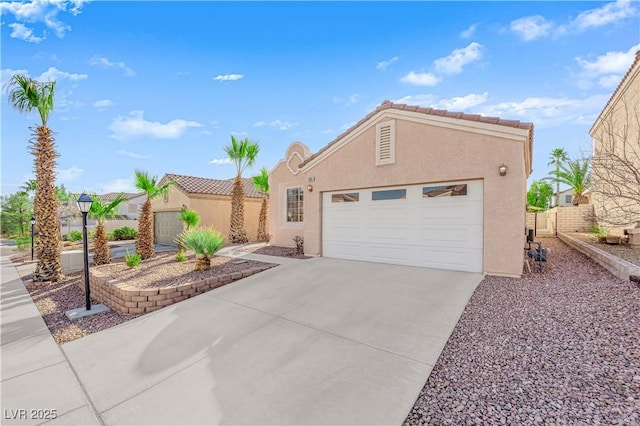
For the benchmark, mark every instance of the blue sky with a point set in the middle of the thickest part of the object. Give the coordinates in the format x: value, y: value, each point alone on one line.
x: 161, y: 86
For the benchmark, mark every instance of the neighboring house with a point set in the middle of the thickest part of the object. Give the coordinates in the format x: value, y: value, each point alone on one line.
x: 616, y: 155
x: 413, y: 186
x: 210, y: 198
x: 566, y: 198
x: 128, y: 209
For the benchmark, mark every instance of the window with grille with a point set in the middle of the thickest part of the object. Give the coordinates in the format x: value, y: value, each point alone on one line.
x: 295, y: 204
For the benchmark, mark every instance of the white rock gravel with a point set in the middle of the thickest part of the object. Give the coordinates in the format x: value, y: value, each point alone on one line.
x: 557, y: 347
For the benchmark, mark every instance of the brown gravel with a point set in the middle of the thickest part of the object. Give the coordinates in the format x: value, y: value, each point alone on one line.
x: 277, y: 251
x: 557, y: 347
x: 161, y: 271
x: 631, y: 255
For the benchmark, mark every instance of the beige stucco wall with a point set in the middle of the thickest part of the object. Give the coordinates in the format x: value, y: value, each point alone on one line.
x: 214, y: 210
x: 424, y: 154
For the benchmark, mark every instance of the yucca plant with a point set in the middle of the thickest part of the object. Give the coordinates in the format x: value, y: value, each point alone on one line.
x: 261, y: 182
x: 204, y: 242
x: 150, y: 186
x: 101, y: 211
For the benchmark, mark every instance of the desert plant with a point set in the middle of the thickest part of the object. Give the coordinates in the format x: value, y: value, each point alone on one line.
x: 598, y: 231
x: 261, y: 182
x: 150, y: 186
x: 190, y: 219
x: 124, y: 233
x: 100, y: 211
x: 576, y: 174
x: 204, y: 242
x: 299, y: 244
x: 132, y: 260
x: 243, y: 153
x: 25, y: 95
x: 181, y: 256
x: 74, y: 236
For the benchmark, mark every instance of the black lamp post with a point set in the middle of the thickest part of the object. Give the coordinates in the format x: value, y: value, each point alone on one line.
x: 84, y: 204
x: 33, y: 222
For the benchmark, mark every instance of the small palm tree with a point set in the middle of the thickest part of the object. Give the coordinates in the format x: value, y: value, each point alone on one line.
x: 101, y: 211
x: 577, y: 175
x: 556, y: 158
x: 204, y: 242
x: 150, y: 186
x: 243, y: 153
x: 190, y: 219
x: 261, y: 183
x: 26, y: 95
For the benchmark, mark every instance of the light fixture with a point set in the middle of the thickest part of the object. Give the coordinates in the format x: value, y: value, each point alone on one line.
x: 502, y: 169
x: 310, y: 188
x: 84, y: 204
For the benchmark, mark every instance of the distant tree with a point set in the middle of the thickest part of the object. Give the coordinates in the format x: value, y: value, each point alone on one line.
x: 25, y: 95
x: 577, y: 175
x: 152, y: 188
x: 557, y: 157
x: 16, y: 211
x: 243, y: 153
x: 101, y: 211
x: 539, y: 194
x: 261, y: 182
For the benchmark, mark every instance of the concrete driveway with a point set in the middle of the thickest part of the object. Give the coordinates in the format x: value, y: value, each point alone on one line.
x: 322, y: 341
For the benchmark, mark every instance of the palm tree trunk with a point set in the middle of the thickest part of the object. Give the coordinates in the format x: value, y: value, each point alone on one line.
x: 262, y: 222
x: 49, y: 267
x: 203, y: 262
x: 101, y: 252
x: 144, y: 242
x: 237, y: 233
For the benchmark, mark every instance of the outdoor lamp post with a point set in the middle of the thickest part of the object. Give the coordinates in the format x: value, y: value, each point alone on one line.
x: 84, y: 204
x: 33, y: 222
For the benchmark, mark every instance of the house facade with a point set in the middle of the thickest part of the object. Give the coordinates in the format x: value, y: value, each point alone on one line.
x: 210, y: 198
x: 615, y: 182
x: 413, y: 186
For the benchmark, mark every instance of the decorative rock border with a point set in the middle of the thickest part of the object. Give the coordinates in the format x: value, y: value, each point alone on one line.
x: 618, y: 267
x: 127, y: 300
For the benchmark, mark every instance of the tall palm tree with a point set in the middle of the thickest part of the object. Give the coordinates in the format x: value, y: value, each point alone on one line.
x: 150, y: 186
x: 556, y: 158
x: 101, y: 211
x: 261, y: 182
x: 243, y: 153
x: 577, y: 175
x: 25, y: 95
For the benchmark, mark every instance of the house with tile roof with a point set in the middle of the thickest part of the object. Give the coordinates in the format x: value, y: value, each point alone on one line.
x: 130, y: 208
x: 210, y: 198
x: 412, y: 186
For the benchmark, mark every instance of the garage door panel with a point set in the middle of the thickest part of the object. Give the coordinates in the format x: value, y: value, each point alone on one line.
x: 166, y: 226
x: 386, y: 253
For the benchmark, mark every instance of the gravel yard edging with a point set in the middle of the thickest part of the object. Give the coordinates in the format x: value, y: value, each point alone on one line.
x: 127, y: 300
x: 618, y: 267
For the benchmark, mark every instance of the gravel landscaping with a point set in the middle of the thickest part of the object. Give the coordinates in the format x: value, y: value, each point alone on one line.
x: 277, y: 251
x: 557, y: 347
x: 631, y: 255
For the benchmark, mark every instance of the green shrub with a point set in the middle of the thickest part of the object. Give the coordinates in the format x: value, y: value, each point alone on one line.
x: 203, y: 240
x: 124, y: 233
x: 598, y: 231
x: 132, y: 260
x: 111, y: 236
x: 22, y: 240
x: 181, y: 256
x: 74, y: 236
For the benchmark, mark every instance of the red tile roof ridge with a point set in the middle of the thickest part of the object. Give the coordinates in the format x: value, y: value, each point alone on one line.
x: 204, y: 185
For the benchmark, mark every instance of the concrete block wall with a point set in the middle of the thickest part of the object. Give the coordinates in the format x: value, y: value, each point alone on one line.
x: 572, y: 219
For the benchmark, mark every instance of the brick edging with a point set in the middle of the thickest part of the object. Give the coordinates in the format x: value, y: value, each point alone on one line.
x: 127, y: 300
x: 618, y: 267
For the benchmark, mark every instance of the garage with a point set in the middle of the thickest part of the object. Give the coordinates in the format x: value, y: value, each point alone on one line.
x: 434, y: 225
x: 166, y: 227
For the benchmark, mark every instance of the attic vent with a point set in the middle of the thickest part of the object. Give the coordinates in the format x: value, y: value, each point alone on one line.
x: 385, y: 143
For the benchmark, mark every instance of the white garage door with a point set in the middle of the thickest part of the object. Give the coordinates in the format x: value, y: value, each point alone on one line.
x: 166, y: 227
x: 430, y: 225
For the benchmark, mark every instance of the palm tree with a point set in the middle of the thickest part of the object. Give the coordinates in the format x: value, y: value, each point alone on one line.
x: 25, y: 95
x: 204, y: 242
x: 101, y: 211
x: 243, y: 153
x: 576, y: 174
x: 189, y: 218
x: 261, y: 183
x: 150, y: 186
x: 556, y: 158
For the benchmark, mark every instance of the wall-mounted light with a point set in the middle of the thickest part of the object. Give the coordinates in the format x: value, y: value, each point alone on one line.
x: 310, y: 188
x: 502, y: 169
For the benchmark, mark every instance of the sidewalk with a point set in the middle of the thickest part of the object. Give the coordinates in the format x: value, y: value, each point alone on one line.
x: 38, y: 385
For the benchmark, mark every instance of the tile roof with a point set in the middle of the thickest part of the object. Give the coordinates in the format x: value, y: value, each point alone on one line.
x: 615, y: 92
x: 110, y: 196
x: 430, y: 111
x: 200, y: 185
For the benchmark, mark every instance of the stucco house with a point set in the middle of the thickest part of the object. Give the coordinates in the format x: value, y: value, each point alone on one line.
x: 210, y: 198
x: 130, y: 208
x: 412, y: 186
x: 566, y: 198
x: 615, y: 182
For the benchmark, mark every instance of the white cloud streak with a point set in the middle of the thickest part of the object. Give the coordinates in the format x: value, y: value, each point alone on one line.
x: 103, y: 62
x: 420, y: 79
x: 134, y: 126
x: 228, y: 77
x: 382, y: 65
x: 607, y: 69
x: 279, y: 124
x: 221, y: 161
x: 103, y: 103
x: 22, y: 32
x: 532, y: 27
x: 40, y: 12
x: 70, y: 174
x: 54, y: 74
x: 133, y: 154
x: 469, y: 32
x: 453, y: 63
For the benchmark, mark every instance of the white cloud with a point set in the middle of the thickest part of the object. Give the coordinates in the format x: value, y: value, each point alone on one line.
x: 420, y: 79
x: 347, y: 126
x: 423, y: 100
x: 133, y: 154
x: 118, y: 185
x: 22, y: 32
x: 135, y: 125
x: 260, y: 124
x: 606, y: 69
x: 240, y: 133
x: 462, y: 103
x: 215, y: 124
x: 220, y: 161
x: 469, y: 32
x: 206, y: 132
x: 67, y: 175
x: 42, y: 11
x: 610, y: 81
x: 327, y: 131
x: 106, y: 63
x: 382, y: 65
x: 54, y: 74
x: 282, y: 125
x: 453, y: 63
x: 354, y: 99
x: 532, y: 27
x: 228, y: 77
x: 103, y: 103
x: 7, y: 73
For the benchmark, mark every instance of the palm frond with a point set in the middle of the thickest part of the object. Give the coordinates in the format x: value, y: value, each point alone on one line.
x: 205, y: 241
x: 242, y: 152
x: 261, y: 182
x: 101, y: 210
x: 189, y: 217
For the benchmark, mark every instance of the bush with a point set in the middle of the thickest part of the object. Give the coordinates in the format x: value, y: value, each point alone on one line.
x: 124, y: 233
x: 204, y: 242
x: 299, y: 244
x: 598, y: 231
x: 132, y: 260
x: 74, y: 236
x: 181, y: 256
